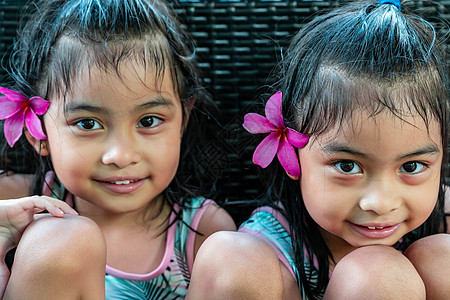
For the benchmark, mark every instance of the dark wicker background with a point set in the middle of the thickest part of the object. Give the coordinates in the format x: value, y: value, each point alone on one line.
x: 238, y: 43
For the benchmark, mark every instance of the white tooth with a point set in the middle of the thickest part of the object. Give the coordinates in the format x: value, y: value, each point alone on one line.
x: 380, y: 227
x: 122, y: 182
x: 370, y: 227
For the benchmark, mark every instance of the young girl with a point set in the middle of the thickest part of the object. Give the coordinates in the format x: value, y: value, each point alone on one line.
x: 360, y: 129
x: 124, y: 117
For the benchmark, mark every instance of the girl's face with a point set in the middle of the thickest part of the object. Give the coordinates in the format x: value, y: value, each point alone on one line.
x: 373, y: 180
x: 115, y: 143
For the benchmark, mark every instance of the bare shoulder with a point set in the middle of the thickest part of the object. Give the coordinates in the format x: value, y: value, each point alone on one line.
x: 213, y: 219
x: 290, y: 286
x: 15, y: 185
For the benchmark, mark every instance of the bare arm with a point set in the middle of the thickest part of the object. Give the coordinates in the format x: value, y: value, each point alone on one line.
x: 13, y: 186
x: 291, y: 290
x: 214, y: 219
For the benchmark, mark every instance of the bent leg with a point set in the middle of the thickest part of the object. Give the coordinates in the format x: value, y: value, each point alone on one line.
x: 235, y: 265
x: 375, y: 272
x: 431, y: 258
x: 59, y: 258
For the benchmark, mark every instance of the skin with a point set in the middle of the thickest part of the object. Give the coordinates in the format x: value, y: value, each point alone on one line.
x: 374, y: 172
x: 12, y: 185
x: 115, y: 145
x: 56, y: 253
x: 15, y: 216
x: 235, y: 265
x: 122, y: 129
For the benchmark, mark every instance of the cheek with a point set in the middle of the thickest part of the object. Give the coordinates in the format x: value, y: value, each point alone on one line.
x: 422, y: 203
x: 167, y: 154
x: 317, y: 199
x: 327, y: 203
x: 70, y: 164
x: 64, y: 151
x: 71, y: 158
x: 171, y: 162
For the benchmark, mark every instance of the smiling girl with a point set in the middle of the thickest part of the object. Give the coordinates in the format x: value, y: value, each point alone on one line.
x: 356, y: 202
x: 123, y: 116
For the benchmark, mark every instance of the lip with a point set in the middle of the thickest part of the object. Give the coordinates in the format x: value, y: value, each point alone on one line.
x: 128, y: 184
x: 376, y: 231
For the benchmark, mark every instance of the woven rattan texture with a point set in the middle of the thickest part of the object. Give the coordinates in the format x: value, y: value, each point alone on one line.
x: 238, y: 44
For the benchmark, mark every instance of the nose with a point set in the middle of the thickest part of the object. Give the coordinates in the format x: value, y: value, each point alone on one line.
x: 381, y: 197
x: 121, y: 151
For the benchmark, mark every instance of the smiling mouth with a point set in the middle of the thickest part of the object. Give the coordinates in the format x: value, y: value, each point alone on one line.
x: 121, y: 182
x: 375, y: 232
x: 122, y: 186
x: 376, y: 227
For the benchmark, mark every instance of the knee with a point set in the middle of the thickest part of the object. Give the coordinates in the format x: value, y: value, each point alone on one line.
x: 237, y: 265
x: 68, y: 244
x: 237, y: 247
x: 380, y: 271
x: 430, y: 257
x: 233, y: 254
x: 429, y: 249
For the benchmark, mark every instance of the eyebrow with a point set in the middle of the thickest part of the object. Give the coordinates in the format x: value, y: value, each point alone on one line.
x: 335, y: 147
x: 86, y: 106
x: 157, y: 102
x: 429, y: 149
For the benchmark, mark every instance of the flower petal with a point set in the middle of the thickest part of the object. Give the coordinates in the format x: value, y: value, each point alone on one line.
x: 296, y: 139
x: 34, y: 125
x: 288, y: 157
x: 8, y: 107
x: 13, y: 127
x: 273, y: 110
x: 39, y: 105
x: 266, y: 150
x: 255, y: 123
x: 13, y: 95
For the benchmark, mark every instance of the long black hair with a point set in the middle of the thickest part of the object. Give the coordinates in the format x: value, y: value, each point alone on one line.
x: 61, y: 38
x: 353, y: 58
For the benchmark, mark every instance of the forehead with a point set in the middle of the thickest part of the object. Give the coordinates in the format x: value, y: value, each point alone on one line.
x: 336, y: 94
x: 391, y: 133
x: 132, y: 73
x: 75, y: 59
x: 131, y: 79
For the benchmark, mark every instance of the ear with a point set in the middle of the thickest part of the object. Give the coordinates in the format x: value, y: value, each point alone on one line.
x: 40, y: 146
x: 292, y: 177
x: 297, y: 151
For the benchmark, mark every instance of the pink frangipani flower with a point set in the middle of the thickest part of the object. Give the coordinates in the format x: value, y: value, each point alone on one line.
x: 17, y: 110
x: 281, y: 140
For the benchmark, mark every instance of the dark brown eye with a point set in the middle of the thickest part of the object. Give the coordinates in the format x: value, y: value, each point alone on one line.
x: 412, y: 167
x: 149, y: 121
x: 348, y: 166
x: 88, y: 124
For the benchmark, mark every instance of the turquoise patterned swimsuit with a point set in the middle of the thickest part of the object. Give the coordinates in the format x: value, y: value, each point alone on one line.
x: 171, y: 279
x: 270, y: 225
